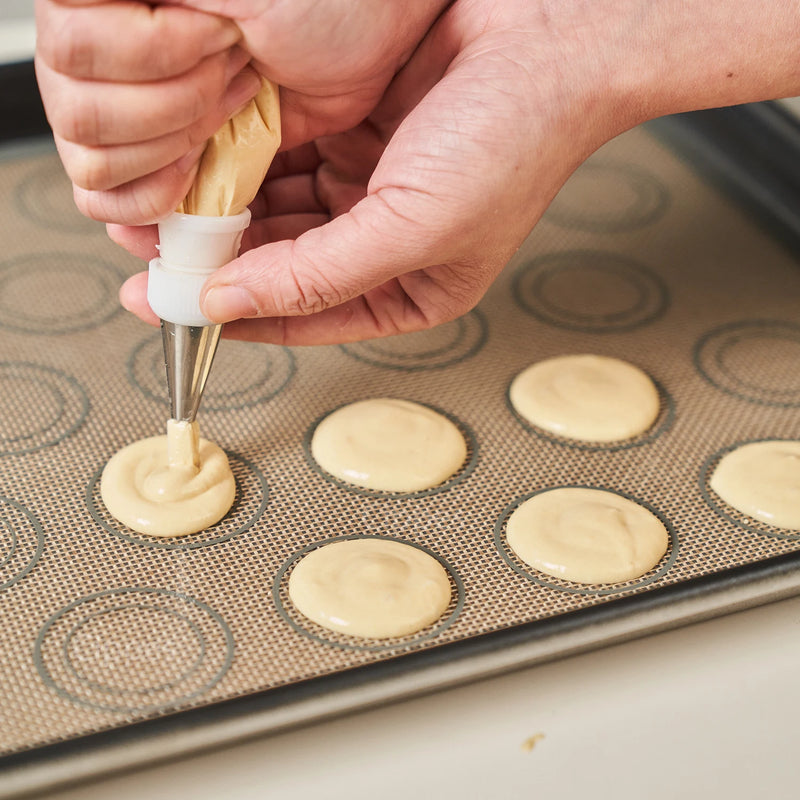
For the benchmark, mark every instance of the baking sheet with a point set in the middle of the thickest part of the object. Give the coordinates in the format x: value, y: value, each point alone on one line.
x: 637, y: 258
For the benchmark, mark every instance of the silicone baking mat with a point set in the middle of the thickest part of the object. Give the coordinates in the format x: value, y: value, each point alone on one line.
x: 102, y: 627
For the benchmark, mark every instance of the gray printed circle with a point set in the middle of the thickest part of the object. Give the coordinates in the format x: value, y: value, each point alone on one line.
x: 745, y: 359
x: 39, y: 407
x: 133, y: 649
x: 609, y: 197
x: 591, y: 291
x: 81, y: 293
x: 244, y: 374
x: 21, y: 541
x: 443, y: 346
x: 44, y: 196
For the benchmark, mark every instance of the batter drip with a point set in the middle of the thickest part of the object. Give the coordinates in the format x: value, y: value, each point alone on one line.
x: 373, y: 588
x: 587, y: 397
x: 762, y: 480
x: 389, y: 445
x: 586, y: 535
x: 169, y: 485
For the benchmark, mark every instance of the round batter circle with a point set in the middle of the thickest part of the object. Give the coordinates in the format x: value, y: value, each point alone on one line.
x: 762, y: 480
x: 390, y: 445
x: 136, y: 477
x: 586, y: 397
x: 370, y: 588
x: 585, y: 535
x: 252, y: 497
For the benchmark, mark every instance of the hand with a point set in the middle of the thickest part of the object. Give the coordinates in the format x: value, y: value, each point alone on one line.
x: 402, y: 221
x: 133, y: 88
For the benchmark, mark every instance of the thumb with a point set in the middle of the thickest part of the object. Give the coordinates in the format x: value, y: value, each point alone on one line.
x: 328, y: 265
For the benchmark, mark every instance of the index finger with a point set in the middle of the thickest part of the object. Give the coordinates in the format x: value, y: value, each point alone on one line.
x: 127, y: 40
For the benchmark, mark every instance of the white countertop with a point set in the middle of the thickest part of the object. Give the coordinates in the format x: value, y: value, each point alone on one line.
x: 707, y: 711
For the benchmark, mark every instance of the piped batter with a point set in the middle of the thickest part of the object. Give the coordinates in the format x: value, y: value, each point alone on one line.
x: 169, y: 485
x: 179, y: 484
x: 586, y: 535
x: 587, y: 397
x: 389, y: 445
x: 372, y: 588
x: 762, y: 480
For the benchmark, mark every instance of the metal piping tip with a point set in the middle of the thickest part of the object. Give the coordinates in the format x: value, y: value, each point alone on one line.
x: 188, y: 354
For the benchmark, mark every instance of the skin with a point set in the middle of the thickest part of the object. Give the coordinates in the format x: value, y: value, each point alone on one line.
x: 422, y: 140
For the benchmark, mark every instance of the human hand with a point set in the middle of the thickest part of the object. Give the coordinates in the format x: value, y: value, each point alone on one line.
x: 402, y: 221
x: 133, y: 88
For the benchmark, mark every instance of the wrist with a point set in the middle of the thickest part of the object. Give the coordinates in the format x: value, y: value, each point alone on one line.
x: 652, y: 59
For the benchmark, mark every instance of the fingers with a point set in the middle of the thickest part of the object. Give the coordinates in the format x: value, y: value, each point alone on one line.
x: 105, y: 167
x: 348, y: 164
x: 133, y: 297
x: 132, y: 91
x: 276, y: 229
x: 148, y: 42
x: 139, y: 241
x: 385, y: 311
x: 142, y: 181
x: 424, y: 243
x: 139, y: 202
x: 292, y: 161
x: 98, y: 113
x: 324, y: 267
x: 288, y: 195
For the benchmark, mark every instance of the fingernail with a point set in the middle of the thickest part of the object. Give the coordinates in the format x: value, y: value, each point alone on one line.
x: 243, y: 88
x: 227, y: 302
x: 236, y: 61
x: 225, y: 35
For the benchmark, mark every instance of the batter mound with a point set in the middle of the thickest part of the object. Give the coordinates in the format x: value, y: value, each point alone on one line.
x: 586, y: 535
x: 372, y: 588
x: 762, y: 480
x: 169, y: 485
x: 586, y: 397
x: 389, y: 445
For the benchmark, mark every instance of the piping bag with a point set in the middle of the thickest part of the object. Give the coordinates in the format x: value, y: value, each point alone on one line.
x: 203, y: 234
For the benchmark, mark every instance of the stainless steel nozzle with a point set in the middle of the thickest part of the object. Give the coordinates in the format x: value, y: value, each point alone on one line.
x: 188, y: 354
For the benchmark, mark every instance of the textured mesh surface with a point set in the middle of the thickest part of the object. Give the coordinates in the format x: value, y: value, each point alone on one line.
x: 636, y: 259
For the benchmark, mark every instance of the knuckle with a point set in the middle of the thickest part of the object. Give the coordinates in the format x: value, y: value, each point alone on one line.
x: 310, y: 291
x: 67, y: 48
x: 90, y: 169
x: 90, y: 204
x: 150, y: 200
x: 76, y: 120
x: 194, y: 104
